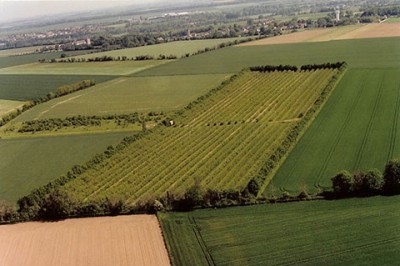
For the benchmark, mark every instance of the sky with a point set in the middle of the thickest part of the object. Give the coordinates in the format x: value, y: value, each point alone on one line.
x: 15, y: 10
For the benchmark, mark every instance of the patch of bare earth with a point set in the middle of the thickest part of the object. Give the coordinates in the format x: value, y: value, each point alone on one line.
x: 376, y: 30
x: 123, y: 240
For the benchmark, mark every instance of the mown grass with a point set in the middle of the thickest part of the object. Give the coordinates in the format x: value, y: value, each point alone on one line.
x: 29, y: 163
x: 178, y: 48
x: 357, y: 129
x: 128, y: 94
x: 7, y: 106
x: 361, y: 53
x: 86, y: 68
x: 344, y: 232
x: 30, y: 87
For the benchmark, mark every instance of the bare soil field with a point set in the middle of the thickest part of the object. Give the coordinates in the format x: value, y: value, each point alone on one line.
x: 338, y: 33
x: 123, y: 240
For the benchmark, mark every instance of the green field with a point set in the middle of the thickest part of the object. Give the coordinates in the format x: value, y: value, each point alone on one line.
x: 29, y: 163
x: 128, y: 94
x: 18, y: 51
x: 86, y: 68
x: 222, y: 141
x: 178, y: 48
x: 9, y: 61
x: 7, y: 106
x: 357, y: 129
x: 362, y: 53
x: 393, y: 20
x: 30, y: 87
x: 360, y: 231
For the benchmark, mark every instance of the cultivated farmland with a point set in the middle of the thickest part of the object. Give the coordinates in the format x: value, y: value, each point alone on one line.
x: 179, y: 48
x: 31, y: 87
x: 377, y: 30
x: 128, y: 94
x: 125, y: 240
x: 344, y: 232
x: 357, y: 129
x: 32, y: 162
x: 361, y: 53
x: 213, y: 142
x: 84, y: 68
x: 7, y: 106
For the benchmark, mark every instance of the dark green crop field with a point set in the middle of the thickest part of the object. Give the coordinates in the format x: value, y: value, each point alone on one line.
x: 361, y: 53
x: 344, y: 232
x: 358, y: 129
x: 30, y: 87
x: 29, y: 163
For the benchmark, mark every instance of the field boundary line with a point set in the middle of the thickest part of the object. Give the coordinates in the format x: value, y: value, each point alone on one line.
x: 394, y: 128
x: 339, y: 135
x: 201, y: 241
x: 369, y: 126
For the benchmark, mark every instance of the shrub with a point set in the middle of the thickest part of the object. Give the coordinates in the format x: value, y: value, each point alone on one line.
x: 342, y: 183
x: 391, y: 177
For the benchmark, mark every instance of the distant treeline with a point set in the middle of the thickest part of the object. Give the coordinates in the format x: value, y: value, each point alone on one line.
x: 281, y: 68
x: 61, y: 91
x: 106, y: 58
x: 87, y: 121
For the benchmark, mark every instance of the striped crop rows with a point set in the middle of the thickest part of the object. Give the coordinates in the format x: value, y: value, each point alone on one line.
x: 222, y: 141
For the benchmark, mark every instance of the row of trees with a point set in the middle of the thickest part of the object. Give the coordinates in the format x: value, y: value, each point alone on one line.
x: 106, y: 58
x: 268, y: 68
x: 81, y: 121
x: 282, y: 68
x: 336, y: 65
x: 372, y: 182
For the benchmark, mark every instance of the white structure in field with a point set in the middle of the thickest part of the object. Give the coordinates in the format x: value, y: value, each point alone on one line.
x: 337, y: 12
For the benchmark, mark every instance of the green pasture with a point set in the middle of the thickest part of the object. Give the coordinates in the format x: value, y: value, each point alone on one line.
x: 178, y: 48
x: 128, y: 94
x: 7, y: 106
x: 358, y: 129
x: 84, y: 68
x: 393, y: 20
x: 9, y: 61
x: 30, y: 87
x: 361, y: 53
x: 18, y: 51
x: 360, y: 231
x: 31, y: 162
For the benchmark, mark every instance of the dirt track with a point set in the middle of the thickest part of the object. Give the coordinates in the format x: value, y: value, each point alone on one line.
x: 376, y: 30
x: 123, y: 240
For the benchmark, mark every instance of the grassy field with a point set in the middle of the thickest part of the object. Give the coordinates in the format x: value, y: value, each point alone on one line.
x: 393, y: 20
x: 361, y: 53
x: 7, y: 106
x: 128, y: 94
x: 214, y: 141
x: 28, y: 163
x: 18, y: 51
x: 357, y: 129
x: 179, y: 48
x: 9, y: 61
x: 30, y: 87
x: 345, y: 232
x: 87, y: 68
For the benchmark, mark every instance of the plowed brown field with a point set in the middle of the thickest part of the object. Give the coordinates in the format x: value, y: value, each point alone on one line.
x: 376, y: 30
x: 124, y: 240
